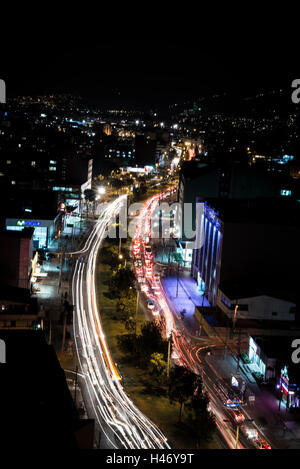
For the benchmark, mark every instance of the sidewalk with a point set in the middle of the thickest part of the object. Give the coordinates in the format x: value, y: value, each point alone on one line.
x: 185, y: 295
x: 51, y: 295
x: 279, y: 427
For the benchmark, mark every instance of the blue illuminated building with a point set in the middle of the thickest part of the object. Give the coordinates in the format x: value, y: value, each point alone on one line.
x: 206, y: 260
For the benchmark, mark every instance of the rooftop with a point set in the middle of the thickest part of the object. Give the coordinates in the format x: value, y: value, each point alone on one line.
x: 36, y: 406
x: 16, y: 294
x: 283, y: 288
x: 264, y: 210
x: 25, y: 233
x: 30, y: 204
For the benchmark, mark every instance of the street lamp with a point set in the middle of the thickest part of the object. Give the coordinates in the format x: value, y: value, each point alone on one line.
x: 238, y: 429
x: 235, y: 314
x: 136, y: 309
x: 121, y: 257
x: 169, y: 353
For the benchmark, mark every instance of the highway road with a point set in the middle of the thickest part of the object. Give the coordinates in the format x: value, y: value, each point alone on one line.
x: 186, y: 350
x: 121, y: 423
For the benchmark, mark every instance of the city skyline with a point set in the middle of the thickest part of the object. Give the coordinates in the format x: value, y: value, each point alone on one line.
x: 149, y: 240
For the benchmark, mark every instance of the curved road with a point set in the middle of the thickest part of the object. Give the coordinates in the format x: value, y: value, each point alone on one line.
x: 121, y: 423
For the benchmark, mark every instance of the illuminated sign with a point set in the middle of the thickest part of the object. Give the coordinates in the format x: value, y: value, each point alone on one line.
x: 284, y: 381
x: 28, y: 223
x: 286, y: 192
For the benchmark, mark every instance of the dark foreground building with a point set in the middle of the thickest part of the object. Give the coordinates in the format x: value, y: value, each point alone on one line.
x: 36, y: 408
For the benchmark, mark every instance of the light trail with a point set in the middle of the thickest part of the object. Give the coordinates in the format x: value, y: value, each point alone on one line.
x: 188, y: 353
x: 120, y: 421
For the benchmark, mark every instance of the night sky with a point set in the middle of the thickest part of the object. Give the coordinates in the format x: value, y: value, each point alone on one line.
x: 140, y: 71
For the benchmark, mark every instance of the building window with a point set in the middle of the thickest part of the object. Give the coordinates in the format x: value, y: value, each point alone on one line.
x: 226, y: 302
x: 33, y: 164
x: 52, y: 168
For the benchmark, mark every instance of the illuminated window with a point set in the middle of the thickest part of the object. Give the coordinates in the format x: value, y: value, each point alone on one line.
x: 52, y: 168
x: 33, y: 163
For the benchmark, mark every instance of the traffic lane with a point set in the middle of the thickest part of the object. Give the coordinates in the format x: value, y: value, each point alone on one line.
x: 182, y: 347
x: 90, y: 392
x: 159, y: 435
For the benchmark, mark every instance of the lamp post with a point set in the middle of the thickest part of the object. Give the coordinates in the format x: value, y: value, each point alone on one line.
x: 235, y: 315
x: 136, y: 309
x: 238, y: 430
x: 169, y: 354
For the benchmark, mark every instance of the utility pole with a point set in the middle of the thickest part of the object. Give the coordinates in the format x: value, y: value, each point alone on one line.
x: 76, y: 377
x: 237, y: 436
x: 64, y: 333
x: 61, y: 254
x: 50, y: 332
x: 280, y: 399
x: 239, y: 351
x: 169, y: 354
x: 136, y: 310
x: 226, y: 342
x: 177, y: 278
x: 235, y: 315
x: 238, y: 431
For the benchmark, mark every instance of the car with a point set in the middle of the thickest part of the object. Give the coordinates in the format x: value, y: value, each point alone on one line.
x: 239, y: 417
x: 148, y: 252
x: 156, y: 277
x: 150, y: 304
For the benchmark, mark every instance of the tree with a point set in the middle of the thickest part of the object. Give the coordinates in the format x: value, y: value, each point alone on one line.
x: 183, y: 383
x: 143, y: 188
x: 122, y: 280
x: 90, y: 196
x: 201, y: 419
x: 110, y: 255
x: 130, y: 324
x: 158, y: 367
x: 127, y: 304
x: 151, y: 341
